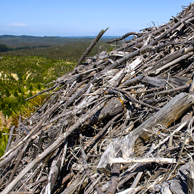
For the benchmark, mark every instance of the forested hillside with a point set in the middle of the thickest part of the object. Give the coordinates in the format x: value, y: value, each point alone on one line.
x: 50, y: 47
x: 18, y: 41
x: 27, y: 65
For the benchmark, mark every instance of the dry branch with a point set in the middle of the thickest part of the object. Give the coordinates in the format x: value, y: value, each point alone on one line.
x: 91, y: 46
x: 141, y: 160
x: 122, y: 122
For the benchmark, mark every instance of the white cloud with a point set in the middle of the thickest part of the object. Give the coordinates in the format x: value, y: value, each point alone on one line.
x: 17, y: 24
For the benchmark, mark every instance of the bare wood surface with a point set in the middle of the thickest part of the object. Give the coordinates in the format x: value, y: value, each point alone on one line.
x: 115, y: 172
x: 121, y: 122
x: 164, y: 117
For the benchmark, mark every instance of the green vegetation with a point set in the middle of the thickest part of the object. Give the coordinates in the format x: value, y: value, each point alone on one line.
x: 69, y: 52
x: 4, y: 48
x: 31, y: 62
x: 21, y: 77
x: 27, y: 64
x: 19, y: 41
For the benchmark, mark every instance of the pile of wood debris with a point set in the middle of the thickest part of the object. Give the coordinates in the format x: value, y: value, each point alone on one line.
x: 121, y: 122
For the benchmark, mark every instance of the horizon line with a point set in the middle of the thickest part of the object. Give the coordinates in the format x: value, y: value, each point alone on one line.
x: 62, y: 35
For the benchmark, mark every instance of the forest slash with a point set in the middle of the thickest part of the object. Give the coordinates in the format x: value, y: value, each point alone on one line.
x: 120, y: 122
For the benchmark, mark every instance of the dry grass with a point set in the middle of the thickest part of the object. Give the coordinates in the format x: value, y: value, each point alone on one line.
x: 5, y: 122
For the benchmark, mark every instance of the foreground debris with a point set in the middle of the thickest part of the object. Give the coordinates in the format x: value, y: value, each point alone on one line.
x: 121, y: 122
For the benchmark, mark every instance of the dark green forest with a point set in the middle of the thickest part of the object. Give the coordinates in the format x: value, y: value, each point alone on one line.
x: 49, y: 47
x: 17, y: 41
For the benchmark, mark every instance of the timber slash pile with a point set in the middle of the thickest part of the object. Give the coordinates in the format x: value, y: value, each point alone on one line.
x: 120, y: 122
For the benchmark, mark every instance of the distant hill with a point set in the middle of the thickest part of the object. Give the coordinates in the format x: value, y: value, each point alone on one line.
x: 24, y: 41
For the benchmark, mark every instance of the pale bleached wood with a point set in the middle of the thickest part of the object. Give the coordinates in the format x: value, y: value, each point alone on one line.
x: 91, y: 188
x: 172, y: 111
x: 137, y: 179
x: 168, y: 114
x: 158, y: 145
x: 130, y: 190
x: 141, y: 160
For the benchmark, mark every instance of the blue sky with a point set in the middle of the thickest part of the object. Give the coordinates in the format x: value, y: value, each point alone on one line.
x: 84, y: 17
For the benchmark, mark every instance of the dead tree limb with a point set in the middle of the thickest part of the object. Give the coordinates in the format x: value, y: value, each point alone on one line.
x: 91, y: 46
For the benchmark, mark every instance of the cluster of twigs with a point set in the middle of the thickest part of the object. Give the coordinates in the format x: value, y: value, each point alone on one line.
x: 121, y: 122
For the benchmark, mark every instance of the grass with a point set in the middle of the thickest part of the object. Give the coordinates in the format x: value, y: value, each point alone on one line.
x: 5, y: 124
x: 20, y: 78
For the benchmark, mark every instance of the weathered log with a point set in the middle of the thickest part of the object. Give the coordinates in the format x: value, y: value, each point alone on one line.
x: 91, y: 188
x: 74, y: 185
x: 53, y: 175
x: 176, y: 61
x: 127, y: 57
x: 165, y: 117
x: 168, y: 91
x: 113, y: 107
x: 87, y: 170
x: 171, y: 29
x: 149, y: 80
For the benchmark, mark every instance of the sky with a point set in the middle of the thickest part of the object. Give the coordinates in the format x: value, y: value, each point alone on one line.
x: 84, y: 17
